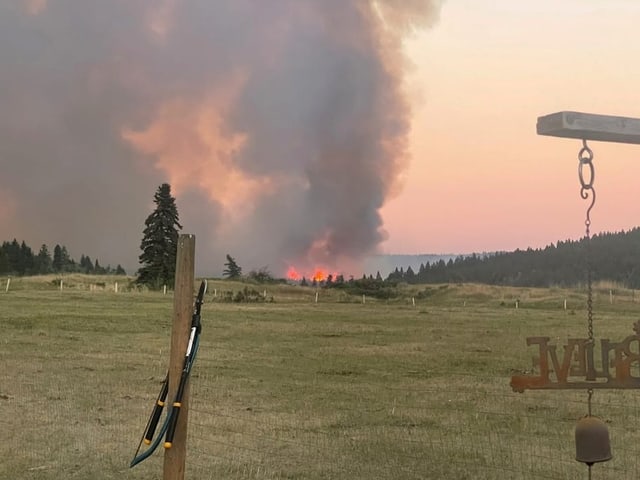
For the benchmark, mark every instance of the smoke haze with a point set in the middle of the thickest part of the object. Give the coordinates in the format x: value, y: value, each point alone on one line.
x: 281, y: 125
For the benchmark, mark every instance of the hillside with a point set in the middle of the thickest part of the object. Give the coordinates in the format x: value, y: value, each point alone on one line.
x: 614, y: 257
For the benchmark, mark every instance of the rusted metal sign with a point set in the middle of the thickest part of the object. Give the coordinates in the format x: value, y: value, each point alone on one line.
x: 576, y: 366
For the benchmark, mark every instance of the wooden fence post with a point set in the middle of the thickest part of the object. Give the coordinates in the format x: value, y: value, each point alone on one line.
x: 175, y: 457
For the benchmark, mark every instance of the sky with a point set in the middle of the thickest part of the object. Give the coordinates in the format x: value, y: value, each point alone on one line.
x: 305, y: 133
x: 480, y: 179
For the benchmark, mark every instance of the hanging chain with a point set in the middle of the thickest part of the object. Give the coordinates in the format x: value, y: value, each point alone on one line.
x: 585, y: 157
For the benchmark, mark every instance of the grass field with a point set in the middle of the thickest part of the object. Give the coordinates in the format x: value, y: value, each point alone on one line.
x: 295, y: 389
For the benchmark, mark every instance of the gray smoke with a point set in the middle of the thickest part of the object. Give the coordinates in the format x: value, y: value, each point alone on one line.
x: 281, y: 124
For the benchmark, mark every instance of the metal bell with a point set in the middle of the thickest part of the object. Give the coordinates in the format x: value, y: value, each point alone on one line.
x: 592, y: 441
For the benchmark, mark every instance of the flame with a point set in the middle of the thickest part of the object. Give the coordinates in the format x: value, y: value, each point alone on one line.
x: 317, y: 274
x: 292, y: 274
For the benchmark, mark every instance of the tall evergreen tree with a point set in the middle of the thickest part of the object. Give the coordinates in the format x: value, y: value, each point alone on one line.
x: 232, y: 270
x: 98, y: 269
x: 4, y: 261
x: 61, y: 260
x: 43, y: 260
x: 160, y: 241
x: 57, y: 258
x: 27, y: 259
x: 86, y: 265
x: 13, y: 256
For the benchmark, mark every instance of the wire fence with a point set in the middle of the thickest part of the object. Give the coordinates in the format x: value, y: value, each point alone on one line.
x: 458, y: 426
x: 298, y: 392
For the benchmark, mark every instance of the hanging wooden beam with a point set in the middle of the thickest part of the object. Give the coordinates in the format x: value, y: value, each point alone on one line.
x: 589, y: 126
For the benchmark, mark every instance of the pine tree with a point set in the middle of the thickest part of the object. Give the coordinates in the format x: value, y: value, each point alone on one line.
x: 43, y: 261
x: 98, y: 269
x: 27, y: 259
x: 232, y: 270
x: 410, y: 276
x: 160, y: 241
x: 4, y: 261
x: 13, y: 256
x: 86, y: 265
x: 59, y: 258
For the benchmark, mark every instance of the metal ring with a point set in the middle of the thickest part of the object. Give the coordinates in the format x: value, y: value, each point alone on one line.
x: 586, y: 185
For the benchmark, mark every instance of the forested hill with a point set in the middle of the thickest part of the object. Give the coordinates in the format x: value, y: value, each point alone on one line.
x: 19, y: 259
x: 614, y: 256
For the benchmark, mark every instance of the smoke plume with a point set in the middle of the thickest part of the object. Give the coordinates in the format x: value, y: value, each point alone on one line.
x: 281, y: 125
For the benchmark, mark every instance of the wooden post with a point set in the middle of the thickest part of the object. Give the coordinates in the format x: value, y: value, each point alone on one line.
x: 8, y: 283
x: 175, y: 457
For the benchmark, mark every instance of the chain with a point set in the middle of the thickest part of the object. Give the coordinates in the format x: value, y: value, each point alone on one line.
x: 585, y: 157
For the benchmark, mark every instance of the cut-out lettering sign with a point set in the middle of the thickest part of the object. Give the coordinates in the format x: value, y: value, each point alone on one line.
x: 580, y: 364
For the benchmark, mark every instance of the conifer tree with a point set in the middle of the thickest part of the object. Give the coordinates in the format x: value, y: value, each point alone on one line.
x: 232, y: 270
x: 61, y: 260
x: 86, y: 265
x: 97, y: 268
x: 160, y: 241
x: 43, y: 260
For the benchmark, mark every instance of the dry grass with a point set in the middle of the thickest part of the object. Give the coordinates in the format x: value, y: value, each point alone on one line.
x: 299, y: 390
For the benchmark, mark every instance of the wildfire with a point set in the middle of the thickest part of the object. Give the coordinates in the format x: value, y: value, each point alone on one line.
x: 318, y: 274
x: 292, y: 274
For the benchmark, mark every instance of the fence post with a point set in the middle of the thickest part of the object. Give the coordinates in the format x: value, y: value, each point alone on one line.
x: 175, y: 457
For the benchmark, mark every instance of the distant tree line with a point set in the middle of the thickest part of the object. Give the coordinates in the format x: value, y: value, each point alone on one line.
x: 613, y: 257
x: 19, y: 259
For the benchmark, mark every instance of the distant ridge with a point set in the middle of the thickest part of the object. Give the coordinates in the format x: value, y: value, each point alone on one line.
x: 387, y: 263
x: 613, y: 257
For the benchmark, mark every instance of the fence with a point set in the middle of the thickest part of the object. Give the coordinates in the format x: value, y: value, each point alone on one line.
x: 287, y: 390
x: 449, y: 426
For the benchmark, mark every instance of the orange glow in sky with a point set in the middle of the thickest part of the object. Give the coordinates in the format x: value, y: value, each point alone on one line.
x: 480, y: 178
